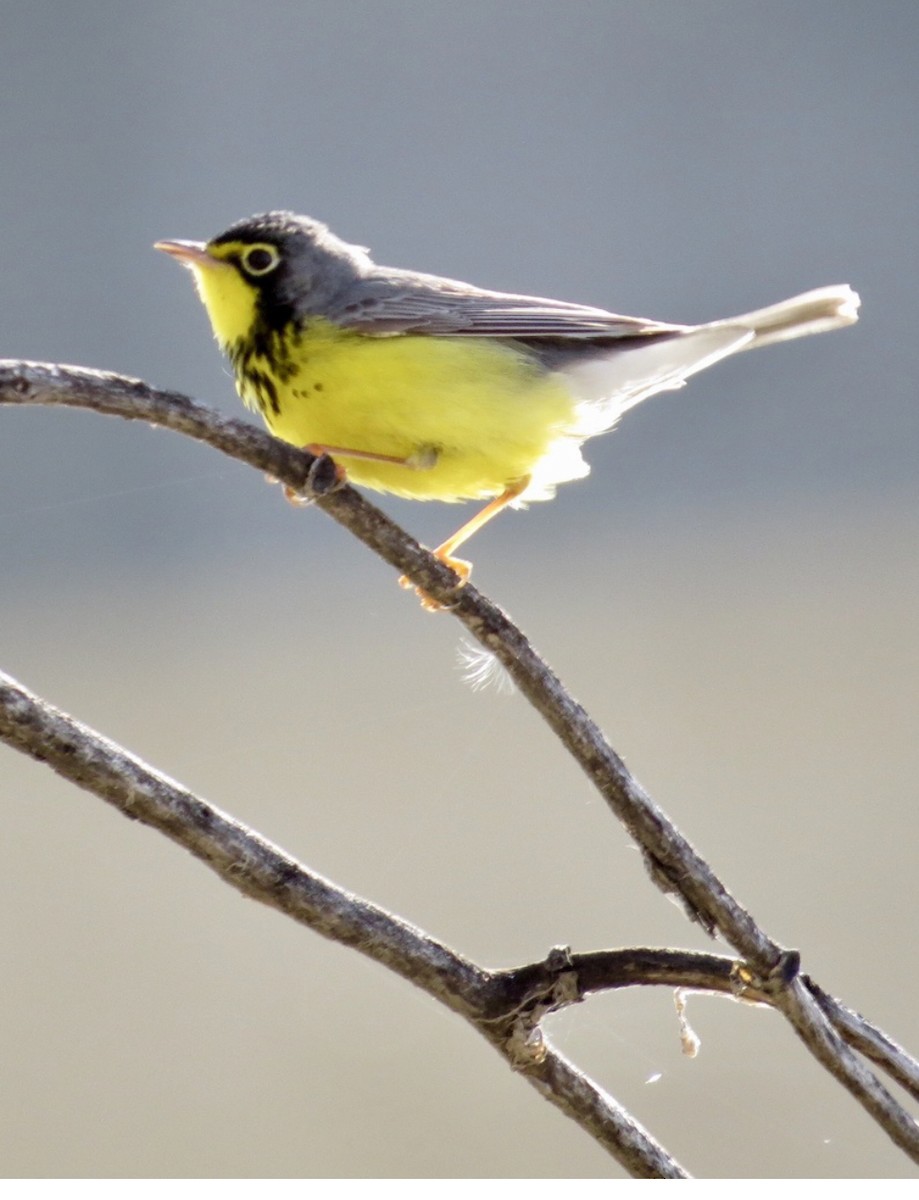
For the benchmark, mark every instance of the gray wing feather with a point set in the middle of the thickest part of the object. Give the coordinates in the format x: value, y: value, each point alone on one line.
x: 387, y: 301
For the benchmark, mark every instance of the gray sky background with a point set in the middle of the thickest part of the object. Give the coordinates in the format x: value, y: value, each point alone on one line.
x: 733, y: 591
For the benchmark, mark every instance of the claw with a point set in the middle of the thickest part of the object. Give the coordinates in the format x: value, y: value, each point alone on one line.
x: 458, y: 566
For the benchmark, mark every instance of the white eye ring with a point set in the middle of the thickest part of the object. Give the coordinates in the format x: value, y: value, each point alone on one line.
x: 259, y: 259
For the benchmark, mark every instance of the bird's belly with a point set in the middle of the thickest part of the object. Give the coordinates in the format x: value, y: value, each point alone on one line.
x: 471, y: 415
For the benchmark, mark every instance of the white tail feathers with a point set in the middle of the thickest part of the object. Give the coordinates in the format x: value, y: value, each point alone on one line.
x: 813, y: 312
x: 617, y: 379
x: 608, y: 382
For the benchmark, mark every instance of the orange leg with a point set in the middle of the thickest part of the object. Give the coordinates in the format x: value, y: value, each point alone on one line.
x: 445, y: 550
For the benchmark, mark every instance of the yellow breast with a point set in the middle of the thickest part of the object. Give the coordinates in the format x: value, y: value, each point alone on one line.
x: 477, y: 413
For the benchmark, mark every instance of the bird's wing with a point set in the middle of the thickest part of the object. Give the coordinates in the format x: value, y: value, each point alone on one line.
x: 389, y: 302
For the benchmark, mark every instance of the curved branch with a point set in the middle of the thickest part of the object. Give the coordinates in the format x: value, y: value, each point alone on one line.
x: 674, y: 865
x: 585, y: 974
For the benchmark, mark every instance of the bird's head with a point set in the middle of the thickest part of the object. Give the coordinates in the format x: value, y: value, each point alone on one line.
x: 267, y: 273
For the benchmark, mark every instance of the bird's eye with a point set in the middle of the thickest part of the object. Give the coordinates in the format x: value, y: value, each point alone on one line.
x: 259, y: 260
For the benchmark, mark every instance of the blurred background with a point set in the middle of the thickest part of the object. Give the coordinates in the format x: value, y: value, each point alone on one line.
x: 733, y: 592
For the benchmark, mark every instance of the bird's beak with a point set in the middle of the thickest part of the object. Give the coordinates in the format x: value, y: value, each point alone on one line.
x: 189, y: 254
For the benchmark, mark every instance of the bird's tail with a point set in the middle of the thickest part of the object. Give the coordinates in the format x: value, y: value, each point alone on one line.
x: 615, y: 379
x: 818, y: 311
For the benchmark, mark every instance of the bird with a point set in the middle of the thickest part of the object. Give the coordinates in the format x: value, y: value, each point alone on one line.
x: 434, y: 389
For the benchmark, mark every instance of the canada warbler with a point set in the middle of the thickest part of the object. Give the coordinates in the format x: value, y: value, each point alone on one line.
x: 437, y: 390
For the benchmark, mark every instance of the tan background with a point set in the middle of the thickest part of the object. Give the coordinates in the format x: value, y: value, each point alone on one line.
x: 733, y: 592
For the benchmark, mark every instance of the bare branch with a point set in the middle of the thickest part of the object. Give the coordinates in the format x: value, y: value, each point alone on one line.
x: 676, y: 867
x: 262, y: 871
x: 815, y: 1030
x: 861, y: 1035
x: 768, y: 970
x: 604, y: 970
